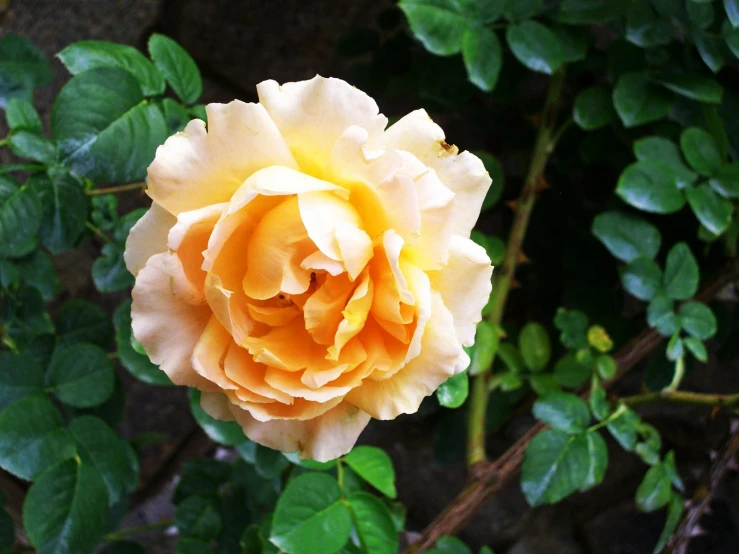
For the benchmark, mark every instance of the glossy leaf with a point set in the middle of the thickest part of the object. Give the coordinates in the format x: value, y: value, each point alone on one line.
x: 482, y: 56
x: 655, y: 489
x: 651, y: 187
x: 713, y: 211
x: 534, y: 345
x: 642, y: 278
x: 374, y: 524
x: 109, y: 272
x: 698, y: 320
x: 638, y: 101
x: 21, y: 115
x: 726, y: 181
x: 223, y: 432
x: 20, y: 219
x: 64, y: 206
x: 680, y: 280
x: 661, y: 315
x: 374, y: 466
x: 535, y: 46
x: 594, y: 108
x: 562, y: 411
x: 663, y: 151
x: 700, y: 150
x: 695, y: 87
x: 626, y: 235
x: 83, y: 321
x: 177, y: 66
x: 81, y: 375
x: 20, y: 376
x: 453, y: 392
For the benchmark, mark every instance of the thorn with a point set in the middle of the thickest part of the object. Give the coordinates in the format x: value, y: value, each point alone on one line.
x: 515, y: 284
x: 697, y: 531
x: 733, y: 465
x: 535, y: 119
x: 522, y: 258
x: 542, y: 184
x: 513, y: 204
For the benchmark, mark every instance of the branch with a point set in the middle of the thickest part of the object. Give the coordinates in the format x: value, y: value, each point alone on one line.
x: 703, y: 494
x: 114, y: 190
x: 492, y: 476
x: 543, y: 146
x: 682, y: 397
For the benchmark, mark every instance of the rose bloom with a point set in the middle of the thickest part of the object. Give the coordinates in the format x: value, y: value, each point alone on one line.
x: 306, y: 268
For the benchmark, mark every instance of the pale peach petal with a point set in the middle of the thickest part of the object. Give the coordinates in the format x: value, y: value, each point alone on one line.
x: 324, y: 438
x: 147, y: 237
x: 241, y: 368
x: 301, y: 409
x: 291, y: 383
x: 195, y: 168
x: 318, y: 260
x: 312, y: 115
x: 166, y: 326
x: 403, y: 393
x: 215, y: 404
x: 354, y: 316
x: 281, y: 181
x: 468, y: 264
x: 420, y: 286
x: 464, y: 174
x: 210, y: 353
x: 275, y: 250
x: 322, y: 311
x: 355, y: 247
x: 273, y: 316
x: 392, y: 299
x: 290, y: 347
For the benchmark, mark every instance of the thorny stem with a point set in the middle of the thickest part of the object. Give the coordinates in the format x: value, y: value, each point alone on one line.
x: 683, y: 397
x: 123, y: 533
x: 545, y: 141
x: 114, y: 190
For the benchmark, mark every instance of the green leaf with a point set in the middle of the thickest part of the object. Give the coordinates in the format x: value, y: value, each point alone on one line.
x: 556, y: 464
x: 726, y: 181
x: 583, y: 12
x: 624, y: 428
x: 196, y: 518
x: 665, y: 152
x: 675, y: 348
x: 711, y: 49
x: 534, y: 345
x: 661, y: 315
x: 535, y: 46
x: 26, y: 144
x: 104, y: 129
x: 9, y: 275
x: 23, y: 67
x: 100, y: 447
x: 482, y: 56
x: 593, y: 108
x: 655, y: 489
x: 437, y: 24
x: 626, y: 235
x: 651, y: 187
x: 33, y: 437
x: 695, y: 87
x: 375, y: 528
x: 177, y: 66
x: 176, y: 115
x: 697, y: 348
x: 495, y: 170
x: 574, y: 40
x: 569, y: 372
x: 449, y: 545
x: 90, y: 54
x: 645, y: 28
x: 487, y: 339
x: 374, y: 466
x: 674, y: 512
x: 732, y: 11
x: 123, y: 547
x: 310, y: 517
x: 713, y: 211
x: 681, y: 275
x: 65, y: 510
x: 606, y: 366
x: 109, y: 272
x: 698, y: 320
x: 700, y: 13
x: 563, y: 411
x: 518, y: 10
x: 573, y: 326
x: 65, y: 209
x: 21, y: 115
x: 222, y: 432
x: 20, y: 219
x: 638, y: 101
x: 81, y: 375
x: 38, y: 271
x: 137, y: 364
x: 599, y: 405
x: 642, y: 278
x: 453, y: 392
x: 83, y: 321
x: 700, y: 150
x: 20, y: 376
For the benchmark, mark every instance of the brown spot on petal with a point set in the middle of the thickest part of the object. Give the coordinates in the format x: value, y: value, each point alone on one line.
x: 447, y: 149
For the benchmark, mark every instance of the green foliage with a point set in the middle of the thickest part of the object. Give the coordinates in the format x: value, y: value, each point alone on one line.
x: 177, y: 67
x: 375, y: 467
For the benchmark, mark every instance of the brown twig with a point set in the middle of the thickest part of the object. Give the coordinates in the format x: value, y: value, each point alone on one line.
x: 683, y: 397
x: 492, y: 475
x: 114, y: 190
x: 703, y: 494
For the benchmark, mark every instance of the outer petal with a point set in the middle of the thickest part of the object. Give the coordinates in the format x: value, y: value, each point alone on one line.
x: 464, y: 174
x: 195, y: 168
x: 148, y: 237
x: 323, y: 438
x: 312, y: 115
x: 440, y: 358
x: 465, y: 285
x: 167, y: 326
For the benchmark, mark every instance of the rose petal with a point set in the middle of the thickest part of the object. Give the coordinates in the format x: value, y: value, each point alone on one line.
x: 468, y: 264
x: 312, y: 115
x: 324, y: 438
x: 210, y: 353
x: 166, y: 326
x: 195, y: 168
x: 403, y: 393
x: 147, y: 237
x: 464, y: 174
x: 241, y: 368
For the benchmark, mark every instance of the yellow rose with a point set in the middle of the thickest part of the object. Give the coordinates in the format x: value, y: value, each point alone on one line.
x: 305, y: 267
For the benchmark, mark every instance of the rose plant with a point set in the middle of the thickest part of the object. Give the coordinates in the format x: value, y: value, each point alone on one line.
x: 301, y: 266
